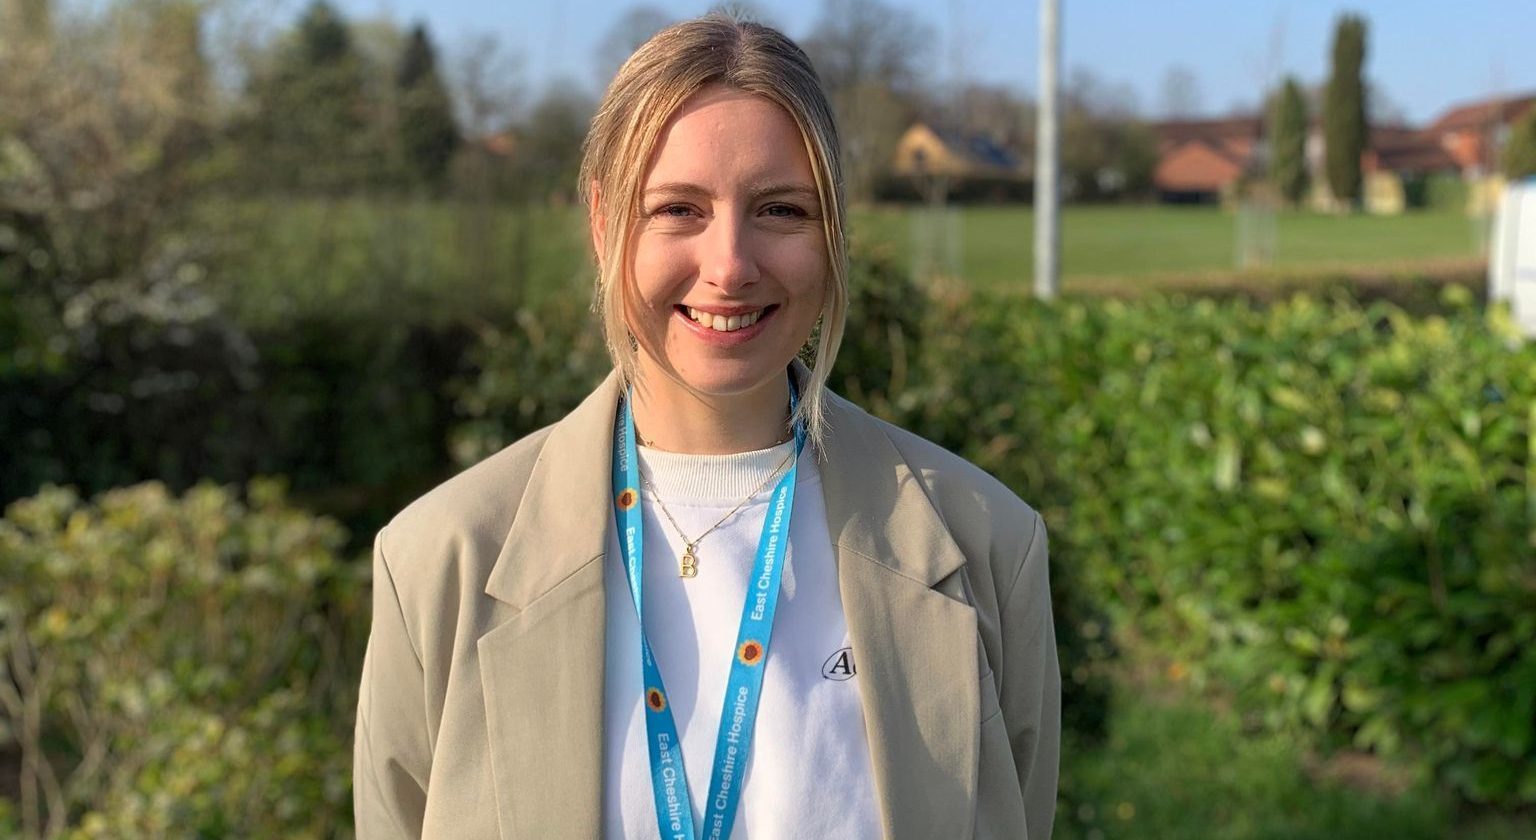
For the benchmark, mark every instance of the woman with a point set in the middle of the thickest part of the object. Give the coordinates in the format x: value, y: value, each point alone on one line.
x: 847, y: 630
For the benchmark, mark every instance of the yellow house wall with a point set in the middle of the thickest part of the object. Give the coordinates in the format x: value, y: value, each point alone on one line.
x: 1483, y: 195
x: 1384, y: 194
x: 937, y: 157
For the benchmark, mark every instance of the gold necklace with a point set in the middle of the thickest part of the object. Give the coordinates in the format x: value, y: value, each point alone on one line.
x: 649, y: 444
x: 688, y: 564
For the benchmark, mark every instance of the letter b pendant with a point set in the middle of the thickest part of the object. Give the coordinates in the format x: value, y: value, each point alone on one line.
x: 689, y: 566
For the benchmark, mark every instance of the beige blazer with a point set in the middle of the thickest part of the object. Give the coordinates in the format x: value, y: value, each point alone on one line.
x: 480, y: 713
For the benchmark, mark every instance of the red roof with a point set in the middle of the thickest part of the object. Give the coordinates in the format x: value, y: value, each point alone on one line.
x: 1475, y: 116
x: 1400, y: 149
x: 1196, y: 166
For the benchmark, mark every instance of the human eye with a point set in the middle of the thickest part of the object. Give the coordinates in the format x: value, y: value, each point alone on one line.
x: 673, y: 211
x: 784, y: 211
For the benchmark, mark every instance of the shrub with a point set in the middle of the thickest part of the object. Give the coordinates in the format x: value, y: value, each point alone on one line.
x: 1323, y: 506
x: 1445, y: 191
x: 528, y: 376
x: 178, y: 667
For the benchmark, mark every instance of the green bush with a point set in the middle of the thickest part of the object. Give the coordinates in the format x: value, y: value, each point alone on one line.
x: 528, y: 376
x: 1321, y: 505
x: 179, y: 667
x: 1445, y: 192
x: 354, y: 412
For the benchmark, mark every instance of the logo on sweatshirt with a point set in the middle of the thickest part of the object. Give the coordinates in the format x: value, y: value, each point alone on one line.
x: 839, y: 666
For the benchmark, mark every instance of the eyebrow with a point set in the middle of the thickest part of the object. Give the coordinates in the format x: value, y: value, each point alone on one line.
x: 756, y: 192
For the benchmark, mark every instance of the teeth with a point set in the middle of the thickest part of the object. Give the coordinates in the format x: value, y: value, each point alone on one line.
x: 724, y: 323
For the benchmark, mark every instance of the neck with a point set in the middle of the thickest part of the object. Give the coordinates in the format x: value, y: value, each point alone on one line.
x: 677, y: 419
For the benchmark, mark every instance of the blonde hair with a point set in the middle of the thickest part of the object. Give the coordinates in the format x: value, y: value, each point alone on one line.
x: 652, y: 85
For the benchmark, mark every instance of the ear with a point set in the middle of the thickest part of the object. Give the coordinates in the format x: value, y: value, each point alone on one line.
x: 596, y: 222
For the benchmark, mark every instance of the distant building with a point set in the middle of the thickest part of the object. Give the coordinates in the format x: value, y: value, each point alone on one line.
x: 1206, y: 161
x: 925, y: 150
x: 1474, y: 133
x: 965, y: 166
x: 1202, y: 161
x: 501, y: 144
x: 1399, y: 161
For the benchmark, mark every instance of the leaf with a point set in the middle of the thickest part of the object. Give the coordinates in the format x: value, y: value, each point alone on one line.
x: 1317, y: 701
x: 1360, y: 698
x: 1229, y: 464
x: 1290, y: 398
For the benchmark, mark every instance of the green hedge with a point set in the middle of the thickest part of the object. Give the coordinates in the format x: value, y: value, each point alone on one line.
x: 355, y: 412
x: 1325, y: 507
x: 178, y: 667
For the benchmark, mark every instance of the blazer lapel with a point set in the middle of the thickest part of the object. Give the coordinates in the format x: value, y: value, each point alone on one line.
x: 542, y: 668
x: 907, y: 618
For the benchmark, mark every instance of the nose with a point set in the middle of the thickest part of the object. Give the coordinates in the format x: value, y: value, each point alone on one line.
x: 727, y: 261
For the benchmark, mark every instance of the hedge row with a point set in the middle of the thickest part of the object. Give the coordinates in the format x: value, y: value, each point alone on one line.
x: 1328, y: 508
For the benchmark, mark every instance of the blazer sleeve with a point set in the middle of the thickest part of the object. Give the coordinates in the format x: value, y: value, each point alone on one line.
x: 391, y: 753
x: 1031, y: 687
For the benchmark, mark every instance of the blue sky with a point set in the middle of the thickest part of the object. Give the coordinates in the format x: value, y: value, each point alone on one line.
x: 1426, y: 55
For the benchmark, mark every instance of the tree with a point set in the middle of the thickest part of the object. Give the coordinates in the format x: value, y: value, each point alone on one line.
x: 1106, y: 151
x: 1180, y: 94
x: 633, y: 28
x: 428, y: 134
x: 550, y: 152
x: 484, y: 78
x: 868, y: 55
x: 1084, y: 90
x: 1344, y: 109
x: 1288, y: 141
x: 487, y: 93
x: 1381, y: 109
x: 999, y: 113
x: 109, y: 323
x: 1520, y: 149
x: 311, y: 126
x: 31, y: 20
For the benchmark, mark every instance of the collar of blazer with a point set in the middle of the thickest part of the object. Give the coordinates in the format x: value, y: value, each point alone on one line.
x: 906, y: 617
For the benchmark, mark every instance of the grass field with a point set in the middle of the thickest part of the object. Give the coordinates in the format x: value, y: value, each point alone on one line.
x: 1161, y: 243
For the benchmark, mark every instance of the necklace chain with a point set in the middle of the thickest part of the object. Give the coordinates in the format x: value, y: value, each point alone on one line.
x: 688, y: 568
x: 652, y: 445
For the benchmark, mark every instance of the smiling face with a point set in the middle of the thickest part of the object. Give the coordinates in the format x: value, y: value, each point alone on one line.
x: 728, y: 257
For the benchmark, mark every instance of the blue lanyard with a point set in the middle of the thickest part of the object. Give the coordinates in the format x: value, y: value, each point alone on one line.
x: 733, y: 743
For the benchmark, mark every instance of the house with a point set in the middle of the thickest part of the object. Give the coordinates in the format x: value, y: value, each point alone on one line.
x: 502, y: 144
x: 961, y: 165
x: 1473, y: 134
x: 1205, y: 161
x: 1398, y: 163
x: 1202, y: 161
